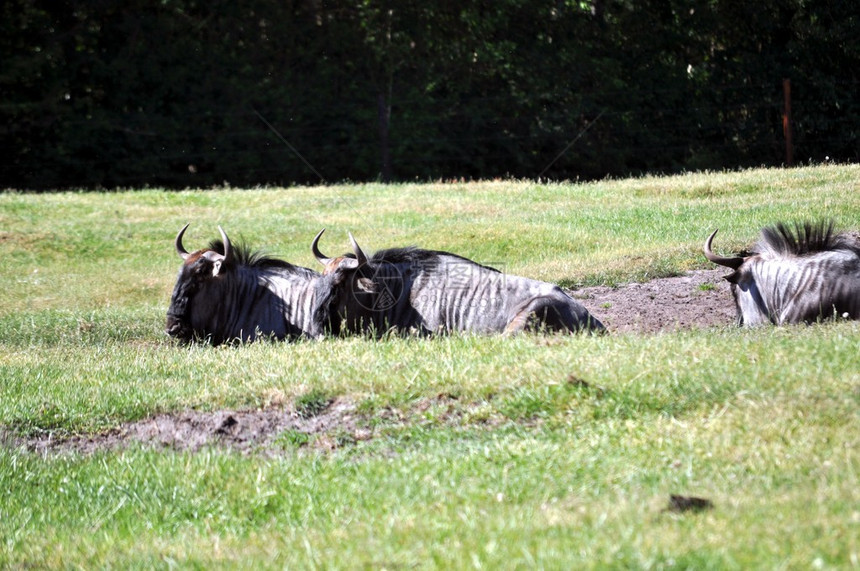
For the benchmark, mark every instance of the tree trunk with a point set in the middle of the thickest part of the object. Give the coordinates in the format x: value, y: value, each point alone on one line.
x: 384, y: 114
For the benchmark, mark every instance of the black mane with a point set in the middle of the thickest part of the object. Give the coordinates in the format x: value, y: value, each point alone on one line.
x: 251, y: 258
x: 805, y: 238
x: 416, y: 256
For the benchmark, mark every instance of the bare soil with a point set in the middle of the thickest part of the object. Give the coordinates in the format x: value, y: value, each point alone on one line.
x: 267, y: 431
x: 699, y: 299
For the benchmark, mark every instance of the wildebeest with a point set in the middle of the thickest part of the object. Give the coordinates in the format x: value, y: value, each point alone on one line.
x: 226, y: 293
x: 428, y: 292
x: 799, y: 276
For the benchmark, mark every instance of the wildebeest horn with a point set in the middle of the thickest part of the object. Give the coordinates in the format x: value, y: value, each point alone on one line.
x: 315, y: 248
x: 228, y: 251
x: 733, y: 263
x: 359, y: 255
x: 183, y: 253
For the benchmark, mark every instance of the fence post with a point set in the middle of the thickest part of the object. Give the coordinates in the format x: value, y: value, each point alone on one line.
x: 786, y: 122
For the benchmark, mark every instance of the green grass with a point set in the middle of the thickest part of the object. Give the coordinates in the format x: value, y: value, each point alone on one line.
x: 554, y: 452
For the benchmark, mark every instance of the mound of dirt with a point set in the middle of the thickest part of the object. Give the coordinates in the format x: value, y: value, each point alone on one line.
x: 241, y: 430
x: 699, y: 299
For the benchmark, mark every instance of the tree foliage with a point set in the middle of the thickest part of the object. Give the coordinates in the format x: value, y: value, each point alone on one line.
x: 189, y: 93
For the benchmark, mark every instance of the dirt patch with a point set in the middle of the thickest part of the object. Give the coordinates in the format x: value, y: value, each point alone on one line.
x: 266, y: 431
x: 699, y: 299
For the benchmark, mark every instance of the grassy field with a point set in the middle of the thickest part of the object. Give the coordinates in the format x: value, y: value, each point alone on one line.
x: 484, y: 452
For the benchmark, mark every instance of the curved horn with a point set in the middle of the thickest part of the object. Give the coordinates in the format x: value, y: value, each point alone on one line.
x: 183, y: 253
x: 733, y: 263
x: 315, y: 249
x: 228, y: 251
x: 359, y: 255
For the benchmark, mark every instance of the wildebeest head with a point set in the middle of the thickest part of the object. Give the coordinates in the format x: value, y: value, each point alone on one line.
x: 344, y: 288
x: 227, y: 292
x: 796, y: 276
x: 200, y: 276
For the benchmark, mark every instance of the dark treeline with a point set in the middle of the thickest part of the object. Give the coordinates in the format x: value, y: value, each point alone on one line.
x: 194, y: 93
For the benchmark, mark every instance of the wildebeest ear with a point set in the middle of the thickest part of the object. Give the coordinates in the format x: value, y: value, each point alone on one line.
x: 733, y: 277
x: 366, y: 285
x: 216, y: 268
